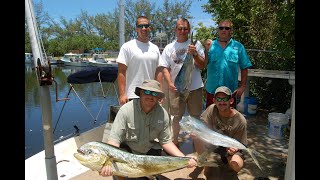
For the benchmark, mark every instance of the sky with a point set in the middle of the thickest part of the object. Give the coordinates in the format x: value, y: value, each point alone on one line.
x: 72, y: 8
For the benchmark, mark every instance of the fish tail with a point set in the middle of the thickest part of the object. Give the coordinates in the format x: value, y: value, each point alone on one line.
x: 253, y: 153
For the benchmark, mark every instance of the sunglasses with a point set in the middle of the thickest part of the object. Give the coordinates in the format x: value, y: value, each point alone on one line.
x: 226, y: 28
x: 152, y: 93
x: 224, y: 99
x: 140, y: 26
x: 183, y: 28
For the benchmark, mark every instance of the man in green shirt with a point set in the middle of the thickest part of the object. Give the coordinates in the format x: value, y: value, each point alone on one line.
x: 142, y: 126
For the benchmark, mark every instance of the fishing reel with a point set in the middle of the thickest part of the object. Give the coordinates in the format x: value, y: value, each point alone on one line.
x: 44, y: 74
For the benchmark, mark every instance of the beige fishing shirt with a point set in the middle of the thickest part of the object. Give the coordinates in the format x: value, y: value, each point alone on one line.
x: 138, y: 129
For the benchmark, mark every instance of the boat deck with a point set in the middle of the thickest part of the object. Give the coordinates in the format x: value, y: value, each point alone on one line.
x: 275, y: 150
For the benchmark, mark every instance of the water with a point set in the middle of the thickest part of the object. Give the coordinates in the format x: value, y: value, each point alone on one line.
x: 74, y: 113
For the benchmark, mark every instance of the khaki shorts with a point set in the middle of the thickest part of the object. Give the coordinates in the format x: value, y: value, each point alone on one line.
x: 193, y: 103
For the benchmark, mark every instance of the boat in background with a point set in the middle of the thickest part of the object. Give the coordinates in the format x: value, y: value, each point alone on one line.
x: 28, y: 58
x: 73, y: 59
x: 52, y: 60
x: 102, y: 60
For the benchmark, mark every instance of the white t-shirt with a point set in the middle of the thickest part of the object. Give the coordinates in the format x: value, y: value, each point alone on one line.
x: 142, y: 60
x: 173, y: 56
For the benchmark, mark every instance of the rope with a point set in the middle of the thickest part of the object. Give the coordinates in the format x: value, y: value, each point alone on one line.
x: 61, y: 111
x: 100, y: 110
x: 101, y: 84
x: 82, y: 102
x: 103, y: 96
x: 115, y: 90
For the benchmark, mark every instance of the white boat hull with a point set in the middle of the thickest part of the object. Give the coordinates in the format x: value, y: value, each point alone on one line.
x: 67, y: 166
x: 99, y: 64
x: 78, y: 64
x: 28, y: 58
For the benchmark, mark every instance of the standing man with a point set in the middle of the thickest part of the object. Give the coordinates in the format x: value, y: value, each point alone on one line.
x: 140, y: 122
x: 223, y: 118
x: 173, y: 57
x: 138, y: 60
x: 225, y: 57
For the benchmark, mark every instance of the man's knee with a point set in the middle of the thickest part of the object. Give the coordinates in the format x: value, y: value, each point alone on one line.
x: 235, y: 162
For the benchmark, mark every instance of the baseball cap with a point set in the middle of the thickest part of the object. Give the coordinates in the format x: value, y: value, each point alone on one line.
x: 223, y: 89
x: 151, y: 85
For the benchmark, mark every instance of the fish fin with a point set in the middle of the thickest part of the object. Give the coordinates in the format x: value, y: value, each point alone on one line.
x: 194, y: 154
x: 111, y: 162
x: 108, y: 162
x: 207, y: 159
x: 115, y: 166
x: 254, y: 154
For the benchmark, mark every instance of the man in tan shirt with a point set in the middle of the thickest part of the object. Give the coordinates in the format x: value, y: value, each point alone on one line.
x: 223, y: 118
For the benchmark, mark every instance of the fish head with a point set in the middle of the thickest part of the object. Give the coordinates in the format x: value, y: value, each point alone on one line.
x: 91, y: 157
x: 191, y: 124
x: 186, y: 124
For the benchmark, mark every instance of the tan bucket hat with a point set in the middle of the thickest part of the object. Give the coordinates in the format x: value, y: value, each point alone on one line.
x: 151, y: 85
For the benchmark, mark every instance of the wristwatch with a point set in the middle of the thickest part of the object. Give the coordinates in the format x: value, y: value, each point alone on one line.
x: 195, y: 54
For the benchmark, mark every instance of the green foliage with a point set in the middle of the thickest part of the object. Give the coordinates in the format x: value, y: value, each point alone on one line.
x: 102, y: 30
x: 204, y: 33
x: 166, y: 16
x: 27, y: 46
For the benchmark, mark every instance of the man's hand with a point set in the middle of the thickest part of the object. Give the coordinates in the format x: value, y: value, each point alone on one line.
x: 232, y: 151
x: 123, y: 99
x: 172, y: 87
x: 192, y: 161
x: 106, y: 171
x: 192, y: 49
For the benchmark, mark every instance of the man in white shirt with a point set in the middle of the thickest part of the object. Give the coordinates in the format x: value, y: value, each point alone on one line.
x: 173, y: 56
x: 138, y: 60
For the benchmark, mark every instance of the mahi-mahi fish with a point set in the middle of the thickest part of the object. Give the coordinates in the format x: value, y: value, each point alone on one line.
x: 94, y: 155
x: 198, y: 128
x: 183, y: 79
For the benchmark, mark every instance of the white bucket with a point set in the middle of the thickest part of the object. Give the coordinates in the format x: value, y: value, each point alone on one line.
x: 277, y: 125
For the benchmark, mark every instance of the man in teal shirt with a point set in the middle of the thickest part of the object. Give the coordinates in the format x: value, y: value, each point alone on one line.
x: 224, y: 59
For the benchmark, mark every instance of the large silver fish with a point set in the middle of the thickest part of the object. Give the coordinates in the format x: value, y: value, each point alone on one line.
x: 200, y: 130
x: 183, y: 79
x: 94, y: 155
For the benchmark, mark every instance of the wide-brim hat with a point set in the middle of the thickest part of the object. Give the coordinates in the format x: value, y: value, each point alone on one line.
x: 223, y: 89
x: 151, y: 85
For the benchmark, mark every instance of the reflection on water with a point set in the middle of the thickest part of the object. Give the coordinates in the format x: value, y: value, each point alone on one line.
x: 72, y: 112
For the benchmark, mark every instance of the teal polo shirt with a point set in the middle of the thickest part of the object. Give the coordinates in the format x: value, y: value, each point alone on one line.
x: 223, y: 65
